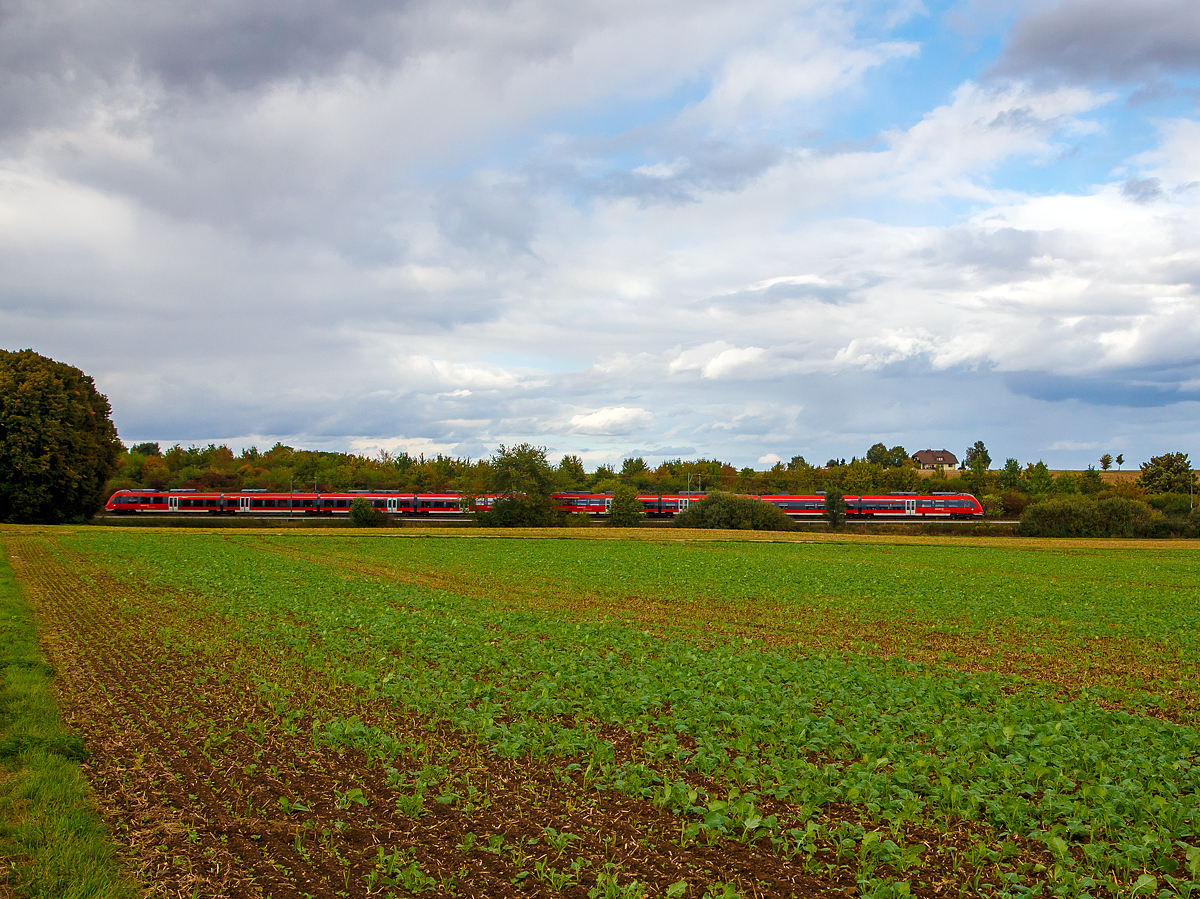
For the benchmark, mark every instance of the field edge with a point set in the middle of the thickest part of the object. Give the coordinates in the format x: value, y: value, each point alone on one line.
x: 53, y: 842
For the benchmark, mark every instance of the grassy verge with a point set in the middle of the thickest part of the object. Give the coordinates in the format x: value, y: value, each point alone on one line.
x: 52, y: 843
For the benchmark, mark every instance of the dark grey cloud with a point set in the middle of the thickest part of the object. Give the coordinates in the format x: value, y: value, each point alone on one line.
x: 1105, y: 40
x: 1099, y: 390
x: 1142, y: 190
x: 52, y: 50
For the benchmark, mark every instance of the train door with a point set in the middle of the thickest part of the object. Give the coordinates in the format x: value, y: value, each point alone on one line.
x: 243, y: 504
x: 392, y: 504
x: 172, y: 503
x: 684, y: 502
x: 910, y: 507
x: 607, y: 504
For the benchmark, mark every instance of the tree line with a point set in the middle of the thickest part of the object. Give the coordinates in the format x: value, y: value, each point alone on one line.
x: 60, y: 459
x: 525, y: 468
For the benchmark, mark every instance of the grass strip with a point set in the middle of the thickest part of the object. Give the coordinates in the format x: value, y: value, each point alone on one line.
x: 52, y: 841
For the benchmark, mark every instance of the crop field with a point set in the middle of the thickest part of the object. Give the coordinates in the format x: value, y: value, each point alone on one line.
x: 381, y: 714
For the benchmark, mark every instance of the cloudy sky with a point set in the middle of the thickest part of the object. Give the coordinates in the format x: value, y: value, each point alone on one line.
x: 745, y: 230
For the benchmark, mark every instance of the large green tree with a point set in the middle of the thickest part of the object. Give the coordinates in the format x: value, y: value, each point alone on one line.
x: 1168, y: 473
x: 57, y: 443
x: 525, y: 480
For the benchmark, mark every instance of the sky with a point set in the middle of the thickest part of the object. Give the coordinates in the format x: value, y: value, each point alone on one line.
x: 744, y: 231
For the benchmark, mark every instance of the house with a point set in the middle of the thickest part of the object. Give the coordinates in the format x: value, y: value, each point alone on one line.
x: 934, y: 459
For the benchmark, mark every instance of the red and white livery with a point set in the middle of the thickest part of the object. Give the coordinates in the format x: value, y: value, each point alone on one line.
x: 656, y: 505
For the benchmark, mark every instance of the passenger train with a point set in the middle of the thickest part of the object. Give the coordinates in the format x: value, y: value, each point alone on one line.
x: 656, y: 505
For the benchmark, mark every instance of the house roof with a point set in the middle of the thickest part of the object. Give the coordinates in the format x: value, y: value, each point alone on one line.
x: 935, y: 457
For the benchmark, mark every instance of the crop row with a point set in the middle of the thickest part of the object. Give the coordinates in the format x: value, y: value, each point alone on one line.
x: 210, y: 758
x: 1119, y: 621
x: 735, y: 741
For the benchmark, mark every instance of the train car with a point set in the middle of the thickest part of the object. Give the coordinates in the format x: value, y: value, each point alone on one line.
x: 267, y: 502
x: 885, y: 506
x: 655, y: 505
x: 882, y: 506
x: 585, y: 503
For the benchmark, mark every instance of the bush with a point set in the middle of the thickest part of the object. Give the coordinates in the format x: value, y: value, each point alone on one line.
x: 1076, y: 516
x: 1122, y: 517
x: 733, y: 512
x: 520, y: 512
x: 1015, y: 503
x: 1060, y: 518
x: 625, y: 510
x: 365, y: 515
x: 1172, y: 504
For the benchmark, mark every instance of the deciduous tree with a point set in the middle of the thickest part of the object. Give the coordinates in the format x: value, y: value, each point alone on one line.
x: 57, y: 443
x: 835, y: 508
x: 625, y: 511
x: 525, y: 481
x: 1168, y: 473
x: 1010, y: 475
x: 571, y: 475
x: 878, y: 454
x: 977, y: 458
x: 1038, y: 479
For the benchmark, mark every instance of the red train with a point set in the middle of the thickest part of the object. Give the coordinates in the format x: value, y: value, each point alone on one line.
x: 665, y: 505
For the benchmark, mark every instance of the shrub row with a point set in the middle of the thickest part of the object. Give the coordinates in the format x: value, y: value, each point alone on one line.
x: 1116, y: 516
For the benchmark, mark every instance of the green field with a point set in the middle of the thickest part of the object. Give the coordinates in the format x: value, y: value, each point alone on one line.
x: 359, y: 714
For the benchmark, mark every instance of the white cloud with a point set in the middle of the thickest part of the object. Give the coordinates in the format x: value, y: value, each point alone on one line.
x: 730, y: 361
x: 716, y: 360
x: 611, y: 422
